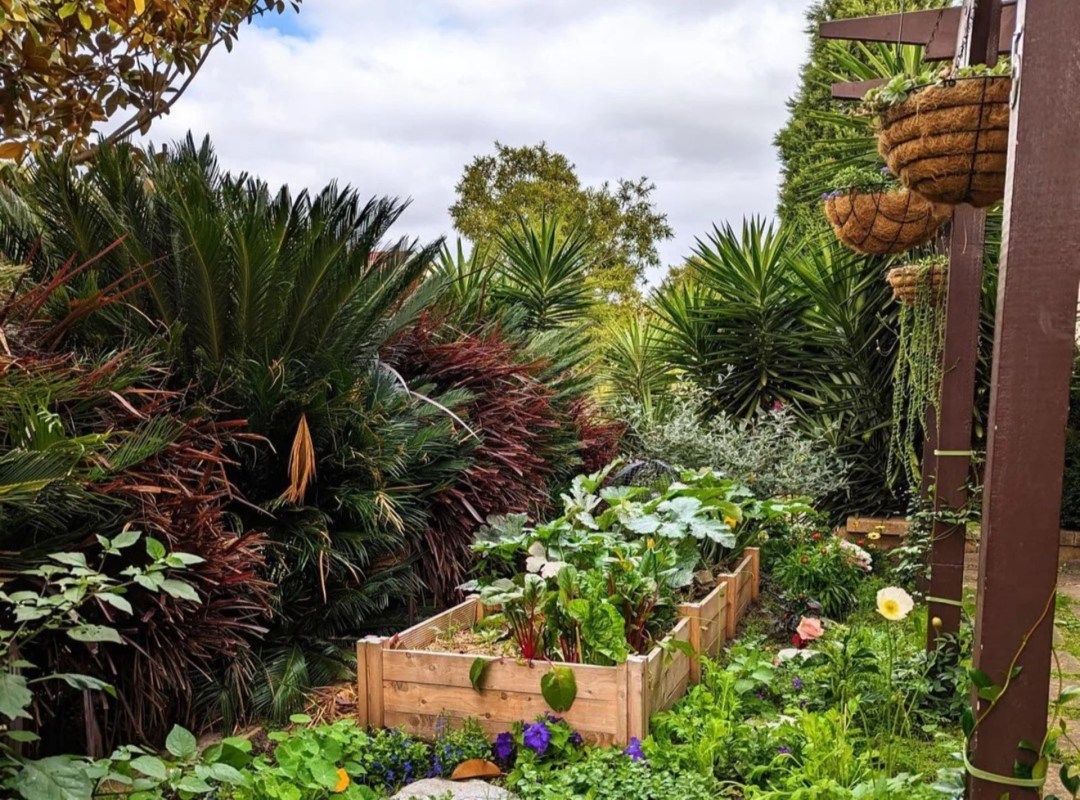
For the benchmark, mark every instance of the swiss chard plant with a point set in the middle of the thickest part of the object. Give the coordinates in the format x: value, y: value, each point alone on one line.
x: 601, y: 581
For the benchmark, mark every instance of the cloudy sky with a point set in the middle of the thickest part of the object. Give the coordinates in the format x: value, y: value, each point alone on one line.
x: 396, y: 96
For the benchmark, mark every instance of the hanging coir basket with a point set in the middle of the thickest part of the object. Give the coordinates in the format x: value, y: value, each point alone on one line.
x: 883, y: 222
x: 915, y: 282
x: 949, y: 141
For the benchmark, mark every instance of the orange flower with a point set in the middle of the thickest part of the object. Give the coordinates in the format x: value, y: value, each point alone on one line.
x: 343, y: 781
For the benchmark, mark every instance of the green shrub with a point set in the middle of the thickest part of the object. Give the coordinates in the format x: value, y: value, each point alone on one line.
x: 825, y: 568
x: 1070, y: 494
x: 770, y: 453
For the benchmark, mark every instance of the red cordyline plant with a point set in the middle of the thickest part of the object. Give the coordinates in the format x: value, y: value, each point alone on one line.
x: 180, y: 496
x: 124, y: 451
x: 514, y: 422
x: 600, y: 438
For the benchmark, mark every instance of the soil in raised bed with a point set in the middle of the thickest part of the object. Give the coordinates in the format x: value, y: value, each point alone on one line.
x: 470, y: 641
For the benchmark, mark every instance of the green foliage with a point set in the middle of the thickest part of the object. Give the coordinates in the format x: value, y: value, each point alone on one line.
x: 824, y: 568
x: 607, y: 775
x: 283, y: 301
x: 762, y: 319
x: 819, y: 133
x: 917, y: 375
x: 278, y: 306
x: 543, y: 269
x: 857, y: 178
x: 559, y: 686
x: 620, y: 222
x: 601, y: 581
x: 635, y: 368
x: 901, y: 87
x: 756, y: 348
x: 455, y: 746
x: 61, y: 592
x: 773, y: 453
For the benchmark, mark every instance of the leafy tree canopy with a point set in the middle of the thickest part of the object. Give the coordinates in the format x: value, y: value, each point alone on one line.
x: 67, y: 67
x: 809, y: 137
x: 621, y: 221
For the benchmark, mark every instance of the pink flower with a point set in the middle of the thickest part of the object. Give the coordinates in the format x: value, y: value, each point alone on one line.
x: 810, y: 629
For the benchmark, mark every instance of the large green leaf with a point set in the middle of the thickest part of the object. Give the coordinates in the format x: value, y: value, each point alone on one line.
x: 181, y: 743
x: 15, y: 697
x: 55, y: 778
x: 559, y: 688
x: 603, y: 629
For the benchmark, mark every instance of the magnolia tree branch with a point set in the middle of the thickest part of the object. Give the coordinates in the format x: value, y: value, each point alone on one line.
x: 146, y: 115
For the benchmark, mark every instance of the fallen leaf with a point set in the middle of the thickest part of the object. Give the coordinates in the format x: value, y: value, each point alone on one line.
x: 475, y: 768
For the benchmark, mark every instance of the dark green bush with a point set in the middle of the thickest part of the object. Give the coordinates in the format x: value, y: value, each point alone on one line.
x: 1070, y: 493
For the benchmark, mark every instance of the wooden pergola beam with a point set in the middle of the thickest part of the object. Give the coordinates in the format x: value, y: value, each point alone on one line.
x: 937, y: 30
x: 1034, y: 342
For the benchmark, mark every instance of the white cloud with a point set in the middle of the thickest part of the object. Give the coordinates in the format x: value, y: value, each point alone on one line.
x: 395, y: 96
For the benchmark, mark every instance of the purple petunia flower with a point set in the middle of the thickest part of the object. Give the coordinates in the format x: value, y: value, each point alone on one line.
x: 504, y: 746
x: 634, y: 750
x: 576, y: 740
x: 552, y: 719
x: 784, y: 751
x: 537, y: 737
x: 796, y: 683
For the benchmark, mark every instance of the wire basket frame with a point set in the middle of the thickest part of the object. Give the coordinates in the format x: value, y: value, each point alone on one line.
x: 884, y: 222
x: 915, y: 281
x: 950, y: 142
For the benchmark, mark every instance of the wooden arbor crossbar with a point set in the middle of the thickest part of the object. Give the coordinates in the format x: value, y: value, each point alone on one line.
x: 1034, y: 341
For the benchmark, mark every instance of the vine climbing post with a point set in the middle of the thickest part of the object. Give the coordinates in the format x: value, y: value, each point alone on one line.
x: 947, y: 466
x: 1034, y: 341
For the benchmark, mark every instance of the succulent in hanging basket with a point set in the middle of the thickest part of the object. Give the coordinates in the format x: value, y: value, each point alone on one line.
x: 872, y: 214
x: 921, y: 287
x: 923, y: 280
x: 946, y: 136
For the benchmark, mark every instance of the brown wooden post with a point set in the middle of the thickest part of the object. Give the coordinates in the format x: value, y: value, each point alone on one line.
x: 947, y: 461
x: 948, y: 467
x: 369, y: 703
x: 1033, y: 349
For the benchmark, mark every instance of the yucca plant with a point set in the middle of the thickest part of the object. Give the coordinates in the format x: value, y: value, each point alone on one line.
x: 852, y: 321
x: 543, y: 269
x: 469, y: 282
x: 756, y: 350
x: 634, y: 365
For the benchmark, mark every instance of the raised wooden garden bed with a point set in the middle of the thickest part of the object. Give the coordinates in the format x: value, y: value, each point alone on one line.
x: 401, y: 685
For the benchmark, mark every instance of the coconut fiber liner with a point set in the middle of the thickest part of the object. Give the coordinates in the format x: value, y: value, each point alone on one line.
x: 949, y: 143
x: 911, y: 281
x: 885, y: 222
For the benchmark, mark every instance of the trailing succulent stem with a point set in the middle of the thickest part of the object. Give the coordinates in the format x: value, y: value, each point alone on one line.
x: 917, y: 374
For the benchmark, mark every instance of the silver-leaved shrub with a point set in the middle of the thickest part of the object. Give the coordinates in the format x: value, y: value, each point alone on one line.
x: 772, y: 453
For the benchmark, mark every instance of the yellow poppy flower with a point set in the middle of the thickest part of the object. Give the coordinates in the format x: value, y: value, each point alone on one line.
x: 343, y: 781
